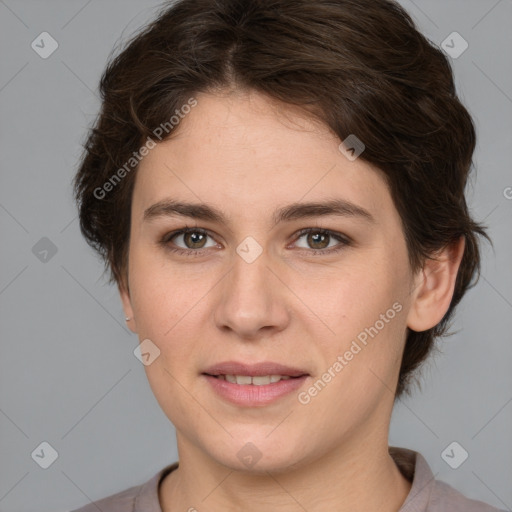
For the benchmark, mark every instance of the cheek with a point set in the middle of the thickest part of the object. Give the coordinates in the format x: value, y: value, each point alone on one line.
x: 157, y: 296
x: 352, y: 296
x: 363, y: 306
x: 171, y: 309
x: 361, y: 360
x: 160, y: 306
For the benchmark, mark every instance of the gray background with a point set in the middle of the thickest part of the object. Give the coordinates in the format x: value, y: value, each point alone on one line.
x: 67, y: 372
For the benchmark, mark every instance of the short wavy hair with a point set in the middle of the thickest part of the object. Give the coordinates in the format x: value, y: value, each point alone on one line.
x: 359, y: 66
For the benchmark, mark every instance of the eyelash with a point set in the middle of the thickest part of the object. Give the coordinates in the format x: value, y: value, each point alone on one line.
x: 344, y: 241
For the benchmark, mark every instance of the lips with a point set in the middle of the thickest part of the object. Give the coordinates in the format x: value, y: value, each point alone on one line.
x: 254, y: 385
x: 265, y: 368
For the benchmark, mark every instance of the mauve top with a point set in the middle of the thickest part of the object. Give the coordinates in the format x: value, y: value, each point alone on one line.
x: 426, y: 495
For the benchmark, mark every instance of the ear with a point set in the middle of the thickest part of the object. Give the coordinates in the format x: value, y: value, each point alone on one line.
x: 434, y: 287
x: 124, y: 293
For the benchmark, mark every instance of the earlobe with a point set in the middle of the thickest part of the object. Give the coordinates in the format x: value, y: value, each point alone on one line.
x: 434, y: 287
x: 127, y: 307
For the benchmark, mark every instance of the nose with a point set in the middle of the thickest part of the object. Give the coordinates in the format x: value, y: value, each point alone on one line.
x: 252, y: 299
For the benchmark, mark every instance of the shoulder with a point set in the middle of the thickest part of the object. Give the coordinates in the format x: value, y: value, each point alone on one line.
x: 428, y: 494
x: 139, y: 497
x: 445, y: 497
x: 121, y: 502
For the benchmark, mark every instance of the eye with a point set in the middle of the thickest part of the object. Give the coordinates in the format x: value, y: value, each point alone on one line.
x: 193, y: 240
x: 320, y: 240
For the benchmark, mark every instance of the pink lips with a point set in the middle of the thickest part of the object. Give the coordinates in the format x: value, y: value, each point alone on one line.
x: 250, y: 395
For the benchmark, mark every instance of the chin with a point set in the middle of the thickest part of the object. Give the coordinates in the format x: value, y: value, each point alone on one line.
x: 258, y: 453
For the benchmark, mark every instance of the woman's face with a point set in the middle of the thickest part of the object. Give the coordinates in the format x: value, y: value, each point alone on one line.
x: 247, y: 286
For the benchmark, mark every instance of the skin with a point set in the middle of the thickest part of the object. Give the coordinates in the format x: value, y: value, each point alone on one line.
x: 247, y: 156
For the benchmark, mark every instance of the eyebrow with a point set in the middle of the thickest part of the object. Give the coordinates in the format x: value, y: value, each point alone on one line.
x: 294, y: 211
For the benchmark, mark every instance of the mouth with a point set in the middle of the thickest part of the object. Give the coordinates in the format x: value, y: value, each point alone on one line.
x: 255, y: 380
x: 254, y: 385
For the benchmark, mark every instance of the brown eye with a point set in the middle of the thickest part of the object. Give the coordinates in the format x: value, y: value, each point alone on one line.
x: 194, y: 240
x: 187, y: 241
x: 318, y: 240
x: 322, y: 241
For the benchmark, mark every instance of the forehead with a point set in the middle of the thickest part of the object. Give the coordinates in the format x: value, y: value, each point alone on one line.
x: 244, y: 153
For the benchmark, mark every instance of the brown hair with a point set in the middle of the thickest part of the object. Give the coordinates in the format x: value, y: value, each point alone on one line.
x: 359, y: 66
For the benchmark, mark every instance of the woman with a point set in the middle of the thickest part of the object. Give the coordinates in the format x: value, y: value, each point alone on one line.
x: 278, y: 191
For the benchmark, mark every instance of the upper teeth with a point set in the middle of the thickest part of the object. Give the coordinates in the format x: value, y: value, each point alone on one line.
x: 260, y: 380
